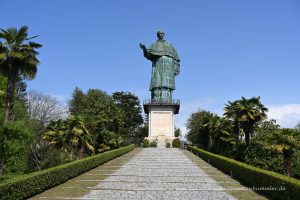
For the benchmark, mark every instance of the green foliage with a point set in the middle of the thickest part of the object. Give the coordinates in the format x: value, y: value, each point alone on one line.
x: 141, y: 133
x: 168, y: 144
x: 285, y: 141
x: 107, y: 140
x: 20, y: 135
x: 98, y: 110
x: 28, y: 185
x: 198, y: 132
x: 131, y: 108
x: 77, y: 135
x: 257, y: 154
x: 69, y: 135
x: 246, y: 112
x: 177, y: 132
x: 252, y: 176
x: 18, y: 61
x: 16, y: 51
x: 296, y: 165
x: 76, y: 104
x: 43, y: 156
x: 153, y: 144
x: 220, y: 135
x: 210, y: 131
x: 176, y: 143
x: 146, y: 143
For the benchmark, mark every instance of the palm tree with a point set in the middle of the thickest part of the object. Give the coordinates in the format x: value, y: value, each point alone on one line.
x: 78, y: 135
x: 232, y: 112
x: 56, y: 134
x: 250, y: 111
x: 245, y: 114
x: 285, y: 141
x: 220, y: 136
x: 18, y: 60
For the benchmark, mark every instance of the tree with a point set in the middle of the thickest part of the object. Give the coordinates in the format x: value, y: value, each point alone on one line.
x: 251, y: 112
x: 56, y: 134
x: 285, y: 141
x: 44, y: 108
x: 21, y: 135
x: 220, y: 134
x: 247, y: 112
x: 232, y: 113
x: 76, y: 104
x: 258, y: 154
x: 78, y: 135
x: 297, y: 127
x: 18, y: 60
x: 130, y: 105
x: 197, y: 132
x: 177, y: 132
x: 69, y: 135
x: 98, y: 110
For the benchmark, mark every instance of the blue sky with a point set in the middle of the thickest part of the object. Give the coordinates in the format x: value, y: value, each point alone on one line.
x: 228, y: 49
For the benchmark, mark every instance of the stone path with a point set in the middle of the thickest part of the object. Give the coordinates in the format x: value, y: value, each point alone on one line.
x: 152, y: 173
x: 158, y: 173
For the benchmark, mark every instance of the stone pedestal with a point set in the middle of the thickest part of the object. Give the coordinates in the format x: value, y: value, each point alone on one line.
x: 161, y: 120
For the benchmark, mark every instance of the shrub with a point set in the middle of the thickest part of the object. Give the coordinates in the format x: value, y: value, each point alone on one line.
x: 176, y: 143
x: 146, y: 143
x: 168, y: 144
x: 153, y: 144
x: 253, y: 176
x: 28, y: 185
x: 259, y: 156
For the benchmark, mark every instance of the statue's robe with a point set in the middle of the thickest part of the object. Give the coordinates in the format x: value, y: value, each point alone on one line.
x: 165, y: 66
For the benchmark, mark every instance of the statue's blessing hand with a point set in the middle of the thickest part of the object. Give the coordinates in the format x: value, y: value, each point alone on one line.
x: 142, y: 46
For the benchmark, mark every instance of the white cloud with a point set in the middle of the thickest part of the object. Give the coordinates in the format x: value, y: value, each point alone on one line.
x: 287, y: 115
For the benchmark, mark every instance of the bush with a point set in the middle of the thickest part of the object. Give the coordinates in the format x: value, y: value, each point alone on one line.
x: 153, y: 144
x: 253, y: 176
x: 259, y: 156
x: 176, y: 143
x: 168, y: 144
x: 28, y: 185
x: 146, y: 143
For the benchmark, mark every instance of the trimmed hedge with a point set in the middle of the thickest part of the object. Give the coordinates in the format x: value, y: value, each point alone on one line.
x: 28, y: 185
x: 153, y: 144
x: 176, y: 143
x: 263, y: 180
x: 145, y: 143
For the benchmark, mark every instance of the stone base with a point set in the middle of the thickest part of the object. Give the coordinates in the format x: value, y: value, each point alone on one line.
x: 161, y: 121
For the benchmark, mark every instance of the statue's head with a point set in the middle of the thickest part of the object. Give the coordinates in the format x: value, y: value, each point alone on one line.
x: 160, y: 34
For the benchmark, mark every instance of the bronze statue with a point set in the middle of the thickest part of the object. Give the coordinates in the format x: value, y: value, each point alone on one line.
x: 165, y: 66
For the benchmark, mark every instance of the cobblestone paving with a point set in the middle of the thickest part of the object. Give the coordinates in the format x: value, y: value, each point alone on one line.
x: 157, y: 173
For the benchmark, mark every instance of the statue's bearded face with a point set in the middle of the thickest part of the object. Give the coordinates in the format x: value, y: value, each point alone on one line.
x: 160, y: 35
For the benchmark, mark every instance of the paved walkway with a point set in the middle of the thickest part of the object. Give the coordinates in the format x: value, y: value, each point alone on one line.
x: 158, y: 173
x: 152, y: 173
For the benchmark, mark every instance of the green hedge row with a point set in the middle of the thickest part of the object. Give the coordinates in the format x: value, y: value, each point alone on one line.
x: 263, y: 181
x: 28, y: 185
